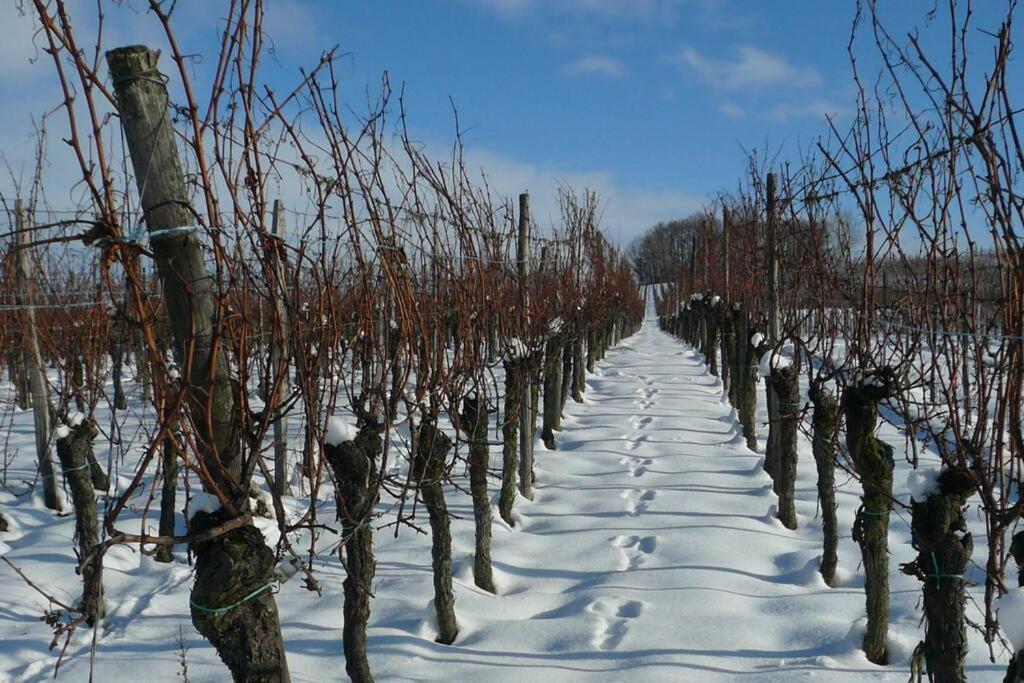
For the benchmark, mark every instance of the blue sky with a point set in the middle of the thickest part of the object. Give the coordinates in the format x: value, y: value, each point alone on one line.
x: 651, y: 102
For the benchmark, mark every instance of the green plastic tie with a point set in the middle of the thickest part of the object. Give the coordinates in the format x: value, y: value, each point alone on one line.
x: 73, y: 469
x: 939, y: 576
x: 877, y: 514
x: 221, y: 610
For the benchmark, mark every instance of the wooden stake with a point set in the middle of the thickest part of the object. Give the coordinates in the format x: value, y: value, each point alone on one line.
x: 32, y: 359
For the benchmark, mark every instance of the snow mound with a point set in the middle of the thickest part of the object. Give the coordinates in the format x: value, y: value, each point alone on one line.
x: 339, y: 431
x: 200, y: 501
x: 923, y: 482
x: 775, y: 361
x: 1010, y: 610
x: 756, y: 339
x: 515, y: 349
x: 62, y: 432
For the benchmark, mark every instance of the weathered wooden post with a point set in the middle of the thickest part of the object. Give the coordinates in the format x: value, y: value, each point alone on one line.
x: 771, y: 455
x: 230, y: 604
x: 526, y: 420
x: 278, y: 349
x: 728, y: 334
x: 32, y: 359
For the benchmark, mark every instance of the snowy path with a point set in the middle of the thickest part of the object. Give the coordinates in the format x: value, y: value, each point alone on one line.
x: 651, y: 551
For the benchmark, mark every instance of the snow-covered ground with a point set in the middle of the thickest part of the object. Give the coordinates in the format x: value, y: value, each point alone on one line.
x: 650, y: 553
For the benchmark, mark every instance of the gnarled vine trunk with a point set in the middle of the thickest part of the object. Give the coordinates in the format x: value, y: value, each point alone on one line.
x: 354, y: 465
x: 944, y: 547
x: 432, y: 446
x: 474, y: 421
x: 873, y: 461
x: 824, y: 422
x: 510, y: 441
x: 73, y: 451
x: 786, y: 387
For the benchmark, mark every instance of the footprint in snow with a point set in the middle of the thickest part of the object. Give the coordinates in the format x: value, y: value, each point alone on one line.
x: 613, y: 618
x: 635, y: 550
x: 638, y: 500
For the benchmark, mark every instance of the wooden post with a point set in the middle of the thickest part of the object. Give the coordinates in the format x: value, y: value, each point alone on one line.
x: 728, y: 334
x: 726, y: 218
x: 32, y: 359
x: 771, y: 456
x: 772, y: 239
x: 525, y: 397
x: 278, y: 346
x: 233, y: 565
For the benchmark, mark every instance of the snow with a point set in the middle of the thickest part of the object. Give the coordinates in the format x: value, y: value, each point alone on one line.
x: 775, y: 360
x: 923, y: 482
x: 649, y: 554
x: 62, y: 432
x: 1011, y: 617
x: 756, y: 339
x: 339, y: 431
x: 76, y: 418
x: 516, y: 349
x: 200, y: 501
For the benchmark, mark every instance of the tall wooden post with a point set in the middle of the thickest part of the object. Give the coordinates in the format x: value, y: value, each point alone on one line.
x: 32, y: 359
x: 278, y: 346
x: 234, y: 566
x: 726, y: 218
x: 772, y: 245
x: 525, y: 396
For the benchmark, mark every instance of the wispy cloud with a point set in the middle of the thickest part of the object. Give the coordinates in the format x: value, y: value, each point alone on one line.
x: 715, y: 14
x: 627, y: 210
x: 818, y: 108
x: 815, y: 108
x: 595, y: 65
x: 732, y: 110
x: 750, y: 68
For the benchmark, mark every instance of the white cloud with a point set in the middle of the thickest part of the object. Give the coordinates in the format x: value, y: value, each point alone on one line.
x: 816, y: 108
x: 595, y: 65
x: 732, y: 110
x: 750, y: 68
x: 782, y: 112
x: 709, y: 13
